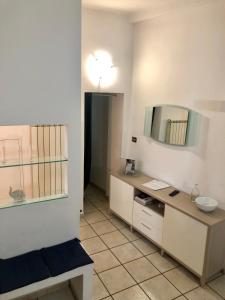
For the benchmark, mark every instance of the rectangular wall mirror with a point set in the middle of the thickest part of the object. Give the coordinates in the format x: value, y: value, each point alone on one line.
x: 167, y: 124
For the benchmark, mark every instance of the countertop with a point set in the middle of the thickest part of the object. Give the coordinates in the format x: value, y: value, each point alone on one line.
x: 182, y: 201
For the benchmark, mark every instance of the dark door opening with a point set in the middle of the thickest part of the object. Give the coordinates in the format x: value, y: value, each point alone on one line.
x: 96, y: 139
x: 103, y: 120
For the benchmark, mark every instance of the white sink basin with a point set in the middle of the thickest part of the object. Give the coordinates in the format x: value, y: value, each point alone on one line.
x: 206, y: 204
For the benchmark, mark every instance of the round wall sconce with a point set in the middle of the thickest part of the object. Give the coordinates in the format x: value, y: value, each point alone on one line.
x: 100, y: 69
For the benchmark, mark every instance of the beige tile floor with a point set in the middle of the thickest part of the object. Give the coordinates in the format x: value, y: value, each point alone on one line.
x: 128, y: 266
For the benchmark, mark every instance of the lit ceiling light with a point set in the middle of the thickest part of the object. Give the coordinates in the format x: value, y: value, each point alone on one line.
x: 100, y: 69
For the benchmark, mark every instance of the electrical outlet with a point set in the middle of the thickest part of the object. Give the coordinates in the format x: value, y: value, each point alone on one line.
x: 134, y: 139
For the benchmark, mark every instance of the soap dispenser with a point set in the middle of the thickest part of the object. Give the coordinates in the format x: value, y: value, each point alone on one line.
x: 195, y: 193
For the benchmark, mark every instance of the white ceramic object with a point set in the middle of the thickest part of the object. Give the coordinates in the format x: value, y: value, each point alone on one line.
x: 206, y: 204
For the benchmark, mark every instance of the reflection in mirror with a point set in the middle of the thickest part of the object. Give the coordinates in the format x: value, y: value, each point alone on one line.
x: 169, y: 124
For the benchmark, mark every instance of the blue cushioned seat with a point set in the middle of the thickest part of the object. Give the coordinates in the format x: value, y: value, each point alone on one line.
x: 65, y: 257
x: 19, y: 271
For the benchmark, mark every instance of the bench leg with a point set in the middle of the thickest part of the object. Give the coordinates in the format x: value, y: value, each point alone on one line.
x: 88, y: 286
x: 82, y: 286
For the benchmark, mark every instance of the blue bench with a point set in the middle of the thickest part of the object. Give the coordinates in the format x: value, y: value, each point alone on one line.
x: 30, y: 272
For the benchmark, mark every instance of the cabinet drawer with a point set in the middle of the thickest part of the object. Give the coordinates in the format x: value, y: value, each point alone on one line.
x: 147, y: 215
x: 148, y: 222
x: 153, y: 233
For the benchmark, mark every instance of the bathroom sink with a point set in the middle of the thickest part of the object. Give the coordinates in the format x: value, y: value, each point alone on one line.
x: 206, y: 204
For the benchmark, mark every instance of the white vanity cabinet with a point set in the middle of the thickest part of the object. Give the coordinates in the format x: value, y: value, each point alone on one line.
x: 185, y: 238
x: 194, y: 238
x: 121, y: 199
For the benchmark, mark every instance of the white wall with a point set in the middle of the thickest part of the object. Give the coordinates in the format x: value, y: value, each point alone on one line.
x: 179, y: 59
x: 111, y: 32
x: 40, y: 83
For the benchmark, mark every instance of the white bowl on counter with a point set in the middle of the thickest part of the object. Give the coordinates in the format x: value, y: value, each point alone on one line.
x: 206, y: 204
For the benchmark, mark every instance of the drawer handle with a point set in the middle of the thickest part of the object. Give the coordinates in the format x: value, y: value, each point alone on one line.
x: 149, y: 228
x: 147, y: 213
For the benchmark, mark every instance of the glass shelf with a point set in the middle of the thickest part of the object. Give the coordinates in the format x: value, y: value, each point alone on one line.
x: 33, y: 164
x: 11, y: 203
x: 33, y: 161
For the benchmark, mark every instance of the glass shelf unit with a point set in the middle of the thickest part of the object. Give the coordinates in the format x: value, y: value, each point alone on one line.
x: 11, y: 203
x: 33, y: 161
x: 38, y: 182
x: 33, y: 164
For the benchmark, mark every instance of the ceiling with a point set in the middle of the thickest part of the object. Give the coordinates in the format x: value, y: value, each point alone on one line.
x: 127, y: 6
x: 141, y: 9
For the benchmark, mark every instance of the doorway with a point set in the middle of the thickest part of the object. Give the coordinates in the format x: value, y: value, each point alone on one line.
x: 103, y: 124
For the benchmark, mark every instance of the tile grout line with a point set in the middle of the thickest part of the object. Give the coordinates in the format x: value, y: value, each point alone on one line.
x: 121, y: 264
x: 215, y: 291
x: 136, y: 284
x: 156, y: 266
x: 96, y: 252
x: 141, y: 251
x: 115, y: 231
x: 177, y: 287
x: 149, y: 261
x: 129, y: 261
x: 164, y: 277
x: 162, y: 273
x: 91, y: 236
x: 103, y: 285
x: 105, y: 232
x: 107, y: 218
x: 109, y: 268
x: 88, y: 238
x: 116, y: 267
x: 91, y: 225
x: 116, y: 258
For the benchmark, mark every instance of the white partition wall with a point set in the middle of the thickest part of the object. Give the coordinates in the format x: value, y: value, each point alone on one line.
x: 40, y: 84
